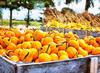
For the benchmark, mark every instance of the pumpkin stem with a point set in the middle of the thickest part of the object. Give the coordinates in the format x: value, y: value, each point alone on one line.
x: 67, y: 46
x: 6, y: 56
x: 47, y: 48
x: 26, y: 55
x: 9, y: 52
x: 60, y: 44
x: 39, y: 51
x: 77, y: 54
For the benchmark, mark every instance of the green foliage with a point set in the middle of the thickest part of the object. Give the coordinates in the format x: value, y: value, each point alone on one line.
x: 21, y: 22
x: 69, y: 1
x: 48, y: 3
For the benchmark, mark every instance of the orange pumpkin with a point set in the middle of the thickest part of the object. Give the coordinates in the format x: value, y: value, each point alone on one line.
x: 44, y: 57
x: 71, y: 52
x: 82, y: 52
x: 58, y: 39
x: 96, y: 51
x: 14, y: 58
x: 89, y: 48
x: 2, y: 52
x: 46, y: 41
x: 73, y: 43
x: 91, y: 41
x: 23, y: 54
x: 82, y: 44
x: 70, y: 36
x: 37, y: 61
x: 11, y: 46
x: 33, y: 54
x: 21, y: 39
x: 36, y: 44
x: 14, y: 40
x: 53, y: 48
x: 62, y: 46
x: 19, y: 46
x: 62, y: 52
x: 17, y: 32
x: 54, y: 57
x: 98, y: 40
x: 29, y: 37
x: 26, y: 45
x: 38, y: 35
x: 9, y: 34
x: 46, y: 49
x: 63, y: 57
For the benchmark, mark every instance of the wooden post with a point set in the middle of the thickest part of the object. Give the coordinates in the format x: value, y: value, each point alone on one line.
x: 94, y: 65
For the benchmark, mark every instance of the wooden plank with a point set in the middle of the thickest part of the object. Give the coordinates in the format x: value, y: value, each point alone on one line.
x: 94, y: 65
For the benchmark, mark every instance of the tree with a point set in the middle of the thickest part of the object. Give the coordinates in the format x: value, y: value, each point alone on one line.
x: 87, y: 4
x: 1, y: 16
x: 29, y: 4
x: 11, y: 4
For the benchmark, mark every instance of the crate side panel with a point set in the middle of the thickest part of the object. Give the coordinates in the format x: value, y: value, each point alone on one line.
x: 6, y: 67
x: 75, y: 66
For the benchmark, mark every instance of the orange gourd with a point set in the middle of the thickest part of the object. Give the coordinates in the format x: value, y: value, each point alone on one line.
x: 71, y: 52
x: 46, y: 41
x: 44, y: 57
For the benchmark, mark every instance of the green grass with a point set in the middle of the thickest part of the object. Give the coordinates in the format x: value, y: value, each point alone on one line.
x: 21, y: 22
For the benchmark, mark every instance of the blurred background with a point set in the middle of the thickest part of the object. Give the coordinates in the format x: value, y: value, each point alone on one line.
x: 37, y: 13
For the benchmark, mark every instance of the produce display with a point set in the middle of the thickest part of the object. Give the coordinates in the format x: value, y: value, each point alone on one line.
x: 39, y: 46
x: 71, y: 20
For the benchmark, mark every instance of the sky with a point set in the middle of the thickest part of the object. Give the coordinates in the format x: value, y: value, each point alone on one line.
x: 59, y: 4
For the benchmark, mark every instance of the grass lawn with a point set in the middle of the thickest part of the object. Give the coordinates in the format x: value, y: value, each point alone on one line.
x: 21, y: 22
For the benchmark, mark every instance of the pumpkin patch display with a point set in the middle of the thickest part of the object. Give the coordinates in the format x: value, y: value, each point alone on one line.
x: 39, y: 46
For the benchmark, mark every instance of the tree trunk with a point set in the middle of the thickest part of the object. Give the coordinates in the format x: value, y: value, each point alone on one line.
x: 2, y: 21
x: 28, y: 18
x: 88, y: 4
x: 10, y: 24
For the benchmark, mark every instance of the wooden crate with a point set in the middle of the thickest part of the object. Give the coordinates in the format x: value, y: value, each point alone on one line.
x: 7, y: 66
x: 68, y: 66
x: 81, y: 65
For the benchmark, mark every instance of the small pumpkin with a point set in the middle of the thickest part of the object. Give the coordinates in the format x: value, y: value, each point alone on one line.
x: 71, y: 52
x: 46, y: 41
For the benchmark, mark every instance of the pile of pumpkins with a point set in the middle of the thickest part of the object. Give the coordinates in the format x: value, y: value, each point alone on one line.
x: 39, y: 46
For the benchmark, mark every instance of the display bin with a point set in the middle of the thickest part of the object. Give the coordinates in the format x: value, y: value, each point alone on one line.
x: 81, y: 65
x: 68, y: 66
x: 98, y: 65
x: 80, y: 33
x: 7, y: 66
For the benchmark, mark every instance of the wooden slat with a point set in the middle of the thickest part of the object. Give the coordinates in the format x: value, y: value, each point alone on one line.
x: 94, y: 65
